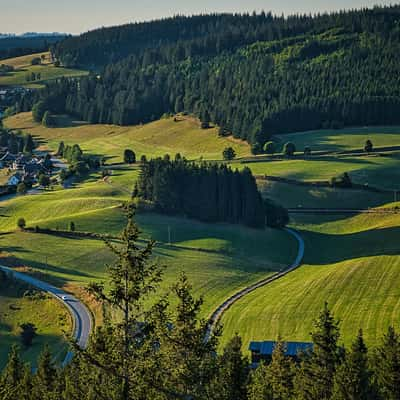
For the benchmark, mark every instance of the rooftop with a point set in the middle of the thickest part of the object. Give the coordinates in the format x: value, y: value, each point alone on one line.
x: 292, y: 348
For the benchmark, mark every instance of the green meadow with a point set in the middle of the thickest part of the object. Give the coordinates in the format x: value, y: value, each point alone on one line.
x: 342, y: 139
x: 47, y: 70
x: 46, y: 313
x: 352, y: 263
x: 158, y: 138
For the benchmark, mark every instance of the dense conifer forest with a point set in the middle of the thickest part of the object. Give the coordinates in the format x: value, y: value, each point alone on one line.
x: 208, y: 192
x: 254, y: 75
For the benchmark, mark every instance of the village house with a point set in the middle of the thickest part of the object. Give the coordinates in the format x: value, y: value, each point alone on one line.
x: 262, y: 351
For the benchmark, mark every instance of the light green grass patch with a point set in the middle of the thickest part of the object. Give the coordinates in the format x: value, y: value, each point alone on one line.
x: 154, y: 139
x: 49, y: 316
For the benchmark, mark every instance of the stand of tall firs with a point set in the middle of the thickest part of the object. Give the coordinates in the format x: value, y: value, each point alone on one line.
x: 208, y: 192
x: 155, y: 350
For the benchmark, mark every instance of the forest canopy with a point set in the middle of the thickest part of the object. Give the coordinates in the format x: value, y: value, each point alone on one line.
x: 253, y: 75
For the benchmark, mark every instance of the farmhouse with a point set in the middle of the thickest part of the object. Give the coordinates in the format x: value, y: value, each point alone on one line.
x: 262, y: 351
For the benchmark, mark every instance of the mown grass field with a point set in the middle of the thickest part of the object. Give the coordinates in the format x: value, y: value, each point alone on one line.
x: 22, y: 66
x: 382, y: 172
x: 50, y: 317
x: 352, y: 263
x: 154, y: 139
x: 294, y: 196
x: 342, y: 139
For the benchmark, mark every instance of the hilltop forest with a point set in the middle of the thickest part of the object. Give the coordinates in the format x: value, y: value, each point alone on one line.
x: 253, y: 75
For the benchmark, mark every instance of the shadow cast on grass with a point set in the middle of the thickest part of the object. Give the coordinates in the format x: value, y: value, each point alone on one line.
x: 323, y: 249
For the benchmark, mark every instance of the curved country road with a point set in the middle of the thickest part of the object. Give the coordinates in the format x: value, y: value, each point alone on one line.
x: 217, y: 314
x: 80, y: 314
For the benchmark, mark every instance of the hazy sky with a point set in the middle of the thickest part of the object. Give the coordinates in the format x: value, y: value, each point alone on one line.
x: 75, y: 16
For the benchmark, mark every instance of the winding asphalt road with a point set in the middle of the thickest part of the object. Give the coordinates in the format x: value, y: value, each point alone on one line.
x: 218, y: 313
x: 80, y: 314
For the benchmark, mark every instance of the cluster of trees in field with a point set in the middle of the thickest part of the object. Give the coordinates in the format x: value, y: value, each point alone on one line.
x: 157, y: 350
x: 253, y: 75
x: 16, y: 142
x: 79, y: 163
x: 207, y: 192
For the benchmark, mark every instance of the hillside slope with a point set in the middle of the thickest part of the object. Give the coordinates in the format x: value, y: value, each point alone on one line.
x: 353, y: 264
x: 248, y: 74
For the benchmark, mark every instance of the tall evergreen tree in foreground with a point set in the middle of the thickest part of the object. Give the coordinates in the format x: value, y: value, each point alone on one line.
x: 387, y: 366
x: 131, y: 279
x: 352, y: 380
x: 281, y: 373
x: 314, y: 380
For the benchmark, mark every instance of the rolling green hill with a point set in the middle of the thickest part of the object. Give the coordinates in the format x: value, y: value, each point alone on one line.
x: 153, y: 139
x: 218, y: 258
x: 352, y: 263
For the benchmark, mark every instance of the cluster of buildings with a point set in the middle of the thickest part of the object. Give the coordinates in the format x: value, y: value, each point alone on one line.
x: 23, y: 168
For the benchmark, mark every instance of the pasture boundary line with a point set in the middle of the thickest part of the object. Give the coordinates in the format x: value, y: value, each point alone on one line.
x: 221, y: 309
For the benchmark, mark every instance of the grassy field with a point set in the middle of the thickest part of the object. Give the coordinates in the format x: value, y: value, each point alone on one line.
x: 218, y: 258
x: 376, y: 171
x: 49, y: 316
x: 293, y: 196
x: 342, y: 139
x: 352, y: 263
x: 153, y: 139
x: 22, y: 67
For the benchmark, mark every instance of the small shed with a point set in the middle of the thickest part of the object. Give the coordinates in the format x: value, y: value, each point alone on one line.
x: 262, y: 351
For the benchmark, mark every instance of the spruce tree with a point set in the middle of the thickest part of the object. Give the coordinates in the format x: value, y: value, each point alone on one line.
x: 387, y: 366
x: 29, y: 145
x: 314, y: 378
x: 281, y: 373
x: 45, y: 378
x: 47, y: 120
x: 11, y: 376
x: 352, y: 379
x: 61, y: 148
x: 38, y: 111
x: 132, y: 278
x: 233, y: 374
x: 259, y: 387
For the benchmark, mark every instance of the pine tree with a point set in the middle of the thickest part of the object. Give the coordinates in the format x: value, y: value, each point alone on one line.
x: 233, y: 374
x: 11, y: 376
x: 61, y: 148
x: 352, y: 379
x: 259, y: 387
x: 29, y: 145
x: 190, y: 363
x: 47, y: 120
x: 387, y: 366
x: 45, y: 378
x: 281, y: 373
x: 314, y: 378
x: 132, y: 278
x: 38, y: 111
